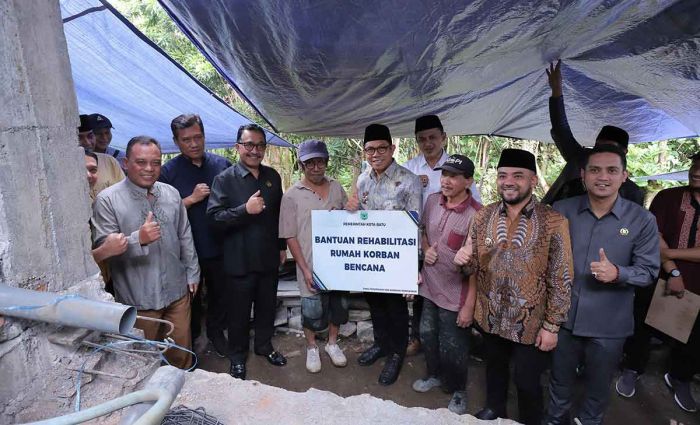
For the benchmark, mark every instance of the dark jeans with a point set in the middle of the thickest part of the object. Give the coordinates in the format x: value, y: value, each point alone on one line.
x: 446, y: 346
x: 638, y: 345
x: 602, y: 356
x: 258, y: 290
x: 390, y: 321
x: 416, y: 318
x: 529, y: 365
x: 213, y: 278
x: 320, y: 309
x: 685, y: 358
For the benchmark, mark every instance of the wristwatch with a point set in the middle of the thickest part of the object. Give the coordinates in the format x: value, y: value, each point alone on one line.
x: 674, y: 273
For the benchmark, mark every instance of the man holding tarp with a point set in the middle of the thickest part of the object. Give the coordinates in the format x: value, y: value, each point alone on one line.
x: 385, y: 186
x: 569, y: 182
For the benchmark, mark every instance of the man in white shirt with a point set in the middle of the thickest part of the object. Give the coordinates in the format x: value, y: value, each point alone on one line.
x: 431, y: 139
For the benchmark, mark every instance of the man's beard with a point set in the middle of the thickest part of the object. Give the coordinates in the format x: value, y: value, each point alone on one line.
x: 517, y: 200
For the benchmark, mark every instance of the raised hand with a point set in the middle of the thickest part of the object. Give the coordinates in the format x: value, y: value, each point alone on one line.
x: 431, y: 256
x: 255, y: 204
x: 554, y: 77
x: 353, y: 203
x: 464, y: 254
x: 603, y: 270
x: 149, y: 231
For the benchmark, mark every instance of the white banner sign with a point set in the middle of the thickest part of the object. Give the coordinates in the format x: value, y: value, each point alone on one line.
x: 368, y: 251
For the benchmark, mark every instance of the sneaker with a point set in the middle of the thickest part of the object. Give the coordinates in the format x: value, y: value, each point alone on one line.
x: 336, y: 354
x: 681, y: 393
x: 626, y: 384
x: 313, y: 359
x: 425, y: 385
x: 458, y: 403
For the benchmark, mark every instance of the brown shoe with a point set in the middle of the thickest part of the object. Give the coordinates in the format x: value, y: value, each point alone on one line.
x: 413, y: 347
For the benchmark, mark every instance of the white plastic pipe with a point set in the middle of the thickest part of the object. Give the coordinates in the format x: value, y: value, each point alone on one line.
x: 68, y: 310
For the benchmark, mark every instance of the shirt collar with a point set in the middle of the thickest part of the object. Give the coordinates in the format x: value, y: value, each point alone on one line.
x: 300, y: 184
x: 142, y: 190
x: 389, y: 172
x: 461, y: 207
x: 242, y: 170
x: 424, y: 162
x: 526, y: 211
x: 585, y: 204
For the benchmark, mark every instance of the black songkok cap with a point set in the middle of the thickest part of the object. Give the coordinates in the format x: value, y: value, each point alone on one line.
x: 694, y: 157
x: 615, y: 134
x: 426, y: 122
x: 377, y: 132
x: 84, y: 123
x: 517, y: 158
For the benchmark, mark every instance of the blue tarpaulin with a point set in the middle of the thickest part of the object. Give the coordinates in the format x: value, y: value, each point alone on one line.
x: 119, y: 73
x: 333, y: 67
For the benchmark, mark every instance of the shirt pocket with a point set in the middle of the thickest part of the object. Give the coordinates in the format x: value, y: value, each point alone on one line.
x: 455, y: 240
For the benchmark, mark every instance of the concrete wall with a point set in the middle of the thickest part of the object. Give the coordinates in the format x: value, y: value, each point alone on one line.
x: 44, y: 203
x: 44, y: 207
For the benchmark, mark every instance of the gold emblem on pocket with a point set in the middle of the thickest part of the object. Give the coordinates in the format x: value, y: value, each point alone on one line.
x: 268, y: 183
x: 624, y: 231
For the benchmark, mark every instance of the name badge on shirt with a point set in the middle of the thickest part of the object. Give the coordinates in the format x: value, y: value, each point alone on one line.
x: 624, y: 231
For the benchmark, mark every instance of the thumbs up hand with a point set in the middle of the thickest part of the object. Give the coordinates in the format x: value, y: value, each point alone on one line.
x: 353, y: 203
x: 255, y: 204
x: 464, y: 254
x: 431, y: 255
x: 603, y: 270
x: 149, y: 231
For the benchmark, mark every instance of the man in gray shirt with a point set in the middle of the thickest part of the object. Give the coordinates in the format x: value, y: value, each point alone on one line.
x: 615, y: 245
x: 159, y: 271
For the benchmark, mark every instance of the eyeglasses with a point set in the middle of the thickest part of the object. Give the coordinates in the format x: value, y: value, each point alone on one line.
x: 315, y: 163
x: 250, y: 146
x: 380, y: 150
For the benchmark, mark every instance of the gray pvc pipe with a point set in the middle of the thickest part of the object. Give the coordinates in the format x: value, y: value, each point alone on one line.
x: 66, y: 309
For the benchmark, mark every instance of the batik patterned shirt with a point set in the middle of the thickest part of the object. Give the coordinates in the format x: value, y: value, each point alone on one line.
x: 395, y: 189
x: 523, y: 271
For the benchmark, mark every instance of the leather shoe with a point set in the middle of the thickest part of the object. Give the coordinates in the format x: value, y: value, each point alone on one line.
x: 370, y: 355
x: 391, y: 370
x: 237, y: 370
x: 486, y: 414
x: 276, y: 359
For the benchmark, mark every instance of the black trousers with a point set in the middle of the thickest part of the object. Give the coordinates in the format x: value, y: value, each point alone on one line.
x: 416, y: 318
x: 601, y: 357
x: 257, y: 290
x: 213, y: 278
x: 390, y: 321
x: 529, y: 365
x: 637, y: 347
x: 685, y: 358
x: 446, y: 346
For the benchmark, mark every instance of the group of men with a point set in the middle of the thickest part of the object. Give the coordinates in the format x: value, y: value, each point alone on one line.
x: 545, y: 286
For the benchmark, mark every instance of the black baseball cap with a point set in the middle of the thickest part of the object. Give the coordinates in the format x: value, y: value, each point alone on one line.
x: 458, y: 164
x: 99, y: 121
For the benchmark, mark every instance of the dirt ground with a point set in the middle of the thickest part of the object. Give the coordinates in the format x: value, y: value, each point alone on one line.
x: 652, y: 405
